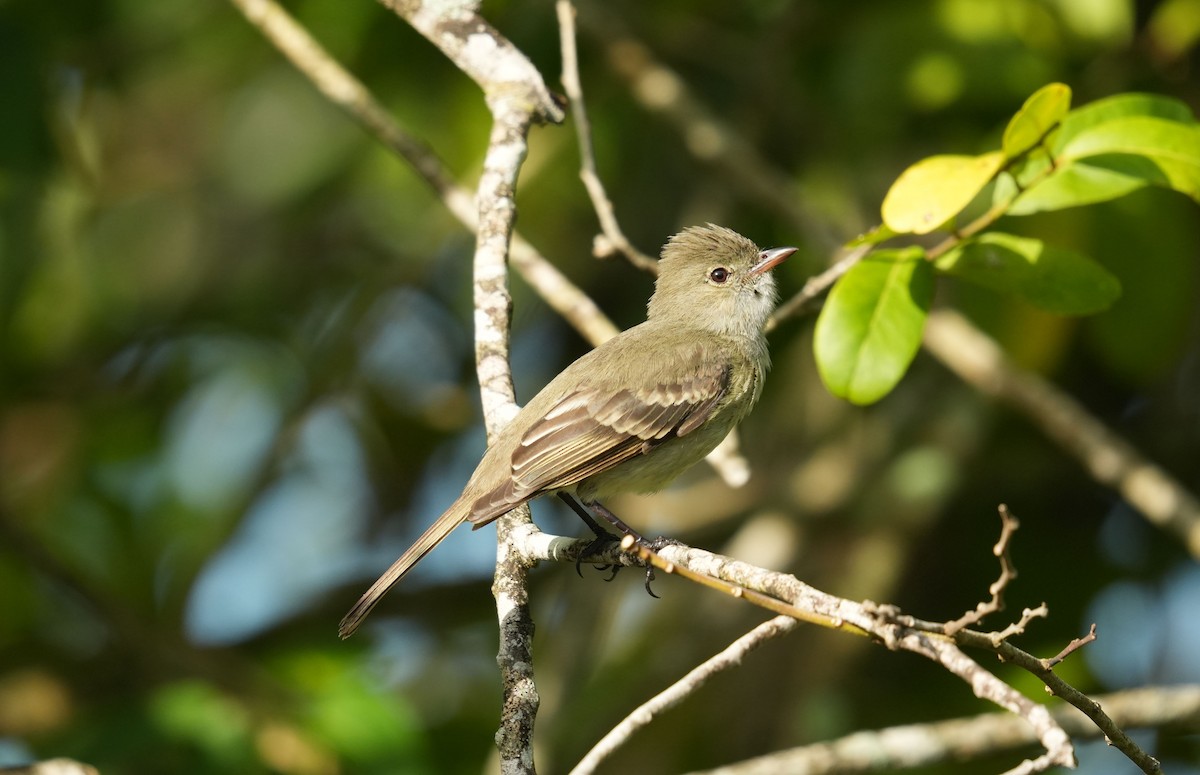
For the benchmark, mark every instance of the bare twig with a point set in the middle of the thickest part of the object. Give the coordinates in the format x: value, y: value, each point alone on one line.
x: 730, y: 657
x: 1018, y: 627
x: 1073, y: 646
x: 1060, y: 688
x: 1042, y: 668
x: 615, y: 238
x: 785, y: 594
x: 1111, y: 460
x: 1008, y: 572
x: 815, y: 287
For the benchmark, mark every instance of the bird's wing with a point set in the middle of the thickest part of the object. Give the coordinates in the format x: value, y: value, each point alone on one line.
x: 592, y: 430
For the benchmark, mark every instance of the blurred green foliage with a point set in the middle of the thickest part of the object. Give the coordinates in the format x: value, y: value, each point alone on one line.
x: 235, y: 376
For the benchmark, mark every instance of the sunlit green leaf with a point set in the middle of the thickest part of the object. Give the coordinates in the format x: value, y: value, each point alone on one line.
x: 1163, y: 153
x: 1075, y: 184
x: 1121, y: 106
x: 1045, y: 108
x: 870, y: 328
x: 1113, y: 151
x: 1057, y: 280
x: 936, y: 189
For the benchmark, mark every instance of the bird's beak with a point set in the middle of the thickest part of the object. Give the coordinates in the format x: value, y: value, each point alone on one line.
x: 769, y: 259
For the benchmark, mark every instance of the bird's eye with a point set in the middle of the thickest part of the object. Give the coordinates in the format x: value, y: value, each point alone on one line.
x: 719, y: 275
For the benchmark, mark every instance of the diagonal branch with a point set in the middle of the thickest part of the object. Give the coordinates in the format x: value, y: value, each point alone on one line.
x: 731, y: 656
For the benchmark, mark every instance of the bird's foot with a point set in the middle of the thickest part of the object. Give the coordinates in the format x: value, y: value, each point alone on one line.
x: 598, y: 544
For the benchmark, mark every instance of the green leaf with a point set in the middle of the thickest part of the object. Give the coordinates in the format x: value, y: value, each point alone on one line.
x: 1111, y: 153
x: 1075, y: 184
x: 1161, y: 152
x: 870, y: 327
x: 1057, y: 280
x: 1121, y: 106
x: 1045, y: 108
x: 936, y: 189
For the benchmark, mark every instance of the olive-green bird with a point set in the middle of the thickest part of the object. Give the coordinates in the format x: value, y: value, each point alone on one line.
x: 638, y: 410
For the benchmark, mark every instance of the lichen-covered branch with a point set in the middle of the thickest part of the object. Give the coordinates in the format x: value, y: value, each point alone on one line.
x: 517, y: 98
x: 508, y: 79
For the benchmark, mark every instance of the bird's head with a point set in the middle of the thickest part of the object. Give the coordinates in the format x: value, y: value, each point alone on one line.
x: 716, y: 279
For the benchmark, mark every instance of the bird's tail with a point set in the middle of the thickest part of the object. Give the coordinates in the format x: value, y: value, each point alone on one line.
x: 433, y: 536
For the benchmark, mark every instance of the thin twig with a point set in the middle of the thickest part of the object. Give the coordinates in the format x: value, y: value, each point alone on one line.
x: 1008, y: 572
x: 1070, y: 648
x: 615, y: 239
x: 1060, y: 688
x: 730, y: 657
x: 815, y: 287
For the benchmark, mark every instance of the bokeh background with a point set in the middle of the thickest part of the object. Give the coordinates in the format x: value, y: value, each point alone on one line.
x: 236, y: 377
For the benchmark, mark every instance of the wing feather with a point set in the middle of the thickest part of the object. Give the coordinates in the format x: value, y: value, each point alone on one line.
x: 592, y: 430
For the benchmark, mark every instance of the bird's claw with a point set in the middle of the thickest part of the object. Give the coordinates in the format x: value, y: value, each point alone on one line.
x: 598, y: 543
x: 649, y: 578
x: 655, y: 545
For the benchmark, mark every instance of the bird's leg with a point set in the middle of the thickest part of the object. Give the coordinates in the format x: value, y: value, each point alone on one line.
x: 616, y: 522
x: 653, y: 546
x: 602, y: 536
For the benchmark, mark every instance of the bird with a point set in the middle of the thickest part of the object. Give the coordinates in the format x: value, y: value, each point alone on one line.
x: 636, y: 411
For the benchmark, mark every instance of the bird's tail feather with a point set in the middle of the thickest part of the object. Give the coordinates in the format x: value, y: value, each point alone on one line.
x: 432, y: 536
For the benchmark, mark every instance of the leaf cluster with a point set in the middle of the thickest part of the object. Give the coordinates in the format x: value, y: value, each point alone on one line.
x: 1050, y: 158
